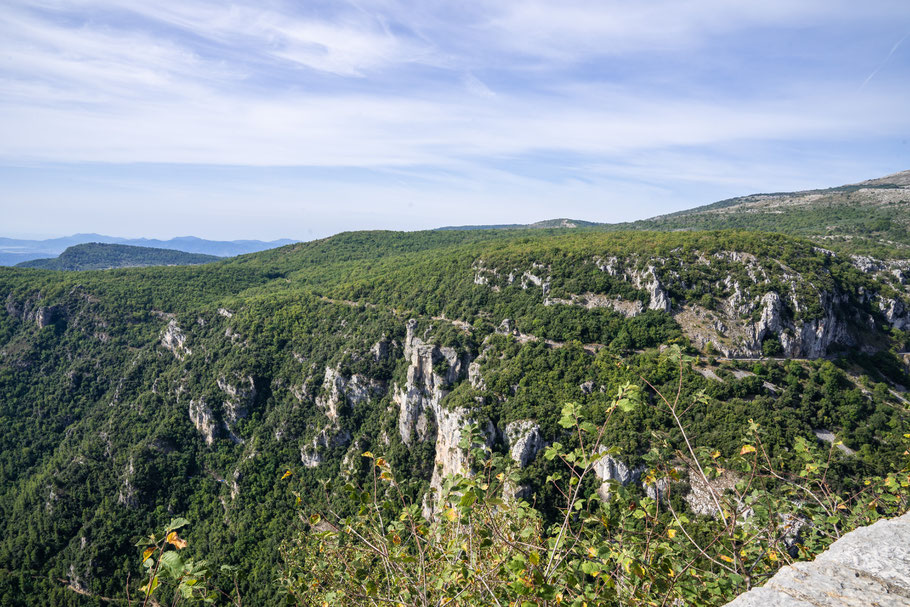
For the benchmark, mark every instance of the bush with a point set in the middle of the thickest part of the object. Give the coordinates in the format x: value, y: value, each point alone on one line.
x: 483, y: 547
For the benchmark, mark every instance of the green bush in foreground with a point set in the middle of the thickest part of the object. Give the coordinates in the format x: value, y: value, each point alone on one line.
x: 633, y: 548
x: 623, y: 545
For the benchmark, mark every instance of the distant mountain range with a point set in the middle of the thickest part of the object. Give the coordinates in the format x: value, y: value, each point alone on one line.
x: 14, y: 251
x: 101, y: 256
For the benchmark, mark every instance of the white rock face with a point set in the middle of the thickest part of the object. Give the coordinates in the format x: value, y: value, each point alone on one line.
x: 626, y: 307
x: 174, y: 339
x: 609, y: 468
x: 896, y: 313
x: 524, y: 441
x: 813, y: 338
x: 341, y: 391
x: 126, y: 494
x: 702, y: 494
x: 450, y: 458
x: 240, y: 396
x: 424, y: 388
x: 203, y: 419
x: 866, y: 264
x: 658, y: 295
x: 45, y: 316
x: 868, y: 566
x: 738, y: 336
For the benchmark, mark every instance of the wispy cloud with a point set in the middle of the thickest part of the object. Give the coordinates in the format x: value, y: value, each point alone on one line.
x: 885, y: 61
x: 579, y: 95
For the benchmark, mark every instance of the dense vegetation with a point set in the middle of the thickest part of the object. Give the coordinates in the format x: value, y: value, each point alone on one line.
x: 100, y: 373
x: 99, y: 256
x: 868, y: 220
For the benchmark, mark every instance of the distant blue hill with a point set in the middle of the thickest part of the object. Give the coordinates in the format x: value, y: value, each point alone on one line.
x: 14, y: 251
x: 104, y: 256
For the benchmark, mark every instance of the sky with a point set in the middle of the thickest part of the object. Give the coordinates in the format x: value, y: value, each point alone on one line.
x: 270, y: 119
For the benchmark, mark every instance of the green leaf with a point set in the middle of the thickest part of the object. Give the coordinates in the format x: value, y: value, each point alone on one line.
x: 172, y: 563
x: 175, y: 524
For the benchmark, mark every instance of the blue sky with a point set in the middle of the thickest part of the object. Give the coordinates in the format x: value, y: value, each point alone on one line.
x: 273, y: 119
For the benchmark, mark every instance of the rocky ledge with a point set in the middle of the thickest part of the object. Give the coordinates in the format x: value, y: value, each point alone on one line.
x: 868, y: 566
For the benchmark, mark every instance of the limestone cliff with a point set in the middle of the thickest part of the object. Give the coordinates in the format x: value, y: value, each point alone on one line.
x: 432, y: 371
x: 752, y: 302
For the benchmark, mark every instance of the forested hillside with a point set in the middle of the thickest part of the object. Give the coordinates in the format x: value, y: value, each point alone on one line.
x: 99, y: 256
x: 867, y: 218
x: 129, y: 397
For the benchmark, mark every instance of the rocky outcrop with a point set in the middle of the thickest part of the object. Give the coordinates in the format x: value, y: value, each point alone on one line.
x: 126, y: 496
x: 608, y: 469
x: 432, y: 371
x: 329, y: 437
x: 524, y: 441
x: 647, y: 280
x: 340, y: 392
x: 48, y: 315
x: 627, y: 307
x: 174, y: 339
x: 380, y: 350
x: 704, y: 495
x: 450, y: 458
x: 896, y: 313
x: 868, y: 566
x: 203, y: 419
x: 735, y: 336
x: 240, y: 396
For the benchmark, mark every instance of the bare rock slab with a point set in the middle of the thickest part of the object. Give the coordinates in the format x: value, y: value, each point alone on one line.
x: 867, y: 567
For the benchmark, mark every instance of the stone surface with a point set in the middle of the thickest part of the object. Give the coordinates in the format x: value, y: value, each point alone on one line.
x: 174, y: 339
x: 203, y: 419
x: 432, y: 371
x: 867, y: 567
x: 609, y: 469
x: 524, y: 441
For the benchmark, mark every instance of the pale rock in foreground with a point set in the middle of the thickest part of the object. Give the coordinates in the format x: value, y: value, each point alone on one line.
x: 868, y: 566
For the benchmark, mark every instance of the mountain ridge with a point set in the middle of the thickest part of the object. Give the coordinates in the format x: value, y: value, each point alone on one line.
x: 867, y: 217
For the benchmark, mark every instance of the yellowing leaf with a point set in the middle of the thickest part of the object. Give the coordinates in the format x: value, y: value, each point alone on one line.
x: 380, y: 462
x: 772, y: 556
x: 176, y: 541
x: 592, y: 552
x: 715, y: 454
x: 286, y: 474
x: 148, y: 552
x: 671, y: 533
x: 747, y: 449
x: 450, y: 514
x: 367, y: 454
